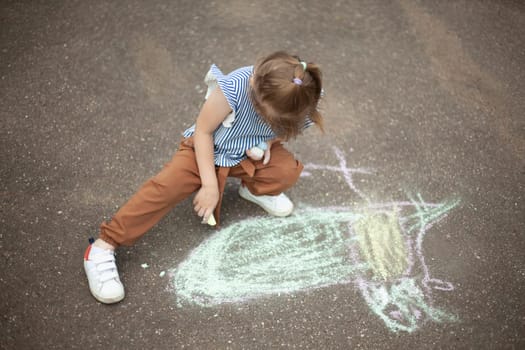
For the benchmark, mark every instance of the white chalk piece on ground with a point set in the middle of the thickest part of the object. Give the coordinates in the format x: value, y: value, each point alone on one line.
x: 144, y: 266
x: 162, y: 273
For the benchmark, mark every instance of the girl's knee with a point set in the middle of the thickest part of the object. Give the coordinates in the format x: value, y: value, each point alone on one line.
x: 295, y: 172
x: 288, y: 175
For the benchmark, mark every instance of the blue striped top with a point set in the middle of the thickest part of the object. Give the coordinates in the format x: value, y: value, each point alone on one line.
x: 243, y: 128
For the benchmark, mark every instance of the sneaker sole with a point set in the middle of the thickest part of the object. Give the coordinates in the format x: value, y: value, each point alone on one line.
x: 106, y: 300
x: 244, y: 193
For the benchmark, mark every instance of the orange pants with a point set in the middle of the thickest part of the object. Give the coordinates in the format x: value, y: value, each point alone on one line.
x: 180, y: 178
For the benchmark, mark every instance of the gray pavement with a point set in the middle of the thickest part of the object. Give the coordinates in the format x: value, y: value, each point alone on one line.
x: 424, y: 108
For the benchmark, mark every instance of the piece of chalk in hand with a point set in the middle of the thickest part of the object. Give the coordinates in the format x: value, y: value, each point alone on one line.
x: 257, y: 152
x: 211, y: 220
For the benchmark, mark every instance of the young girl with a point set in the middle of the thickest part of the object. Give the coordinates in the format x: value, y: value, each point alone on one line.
x: 263, y: 105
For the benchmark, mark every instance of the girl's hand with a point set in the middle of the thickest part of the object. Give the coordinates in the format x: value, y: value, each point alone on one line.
x: 205, y: 202
x: 261, y: 151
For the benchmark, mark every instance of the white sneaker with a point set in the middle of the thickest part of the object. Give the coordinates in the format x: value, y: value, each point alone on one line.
x: 102, y: 274
x: 279, y: 205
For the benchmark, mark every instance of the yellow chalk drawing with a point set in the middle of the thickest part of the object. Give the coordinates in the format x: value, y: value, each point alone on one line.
x: 382, y: 245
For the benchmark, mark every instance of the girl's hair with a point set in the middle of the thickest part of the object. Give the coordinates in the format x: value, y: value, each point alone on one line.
x: 285, y: 91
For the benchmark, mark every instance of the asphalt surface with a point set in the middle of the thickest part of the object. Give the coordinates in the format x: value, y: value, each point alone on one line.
x: 95, y: 95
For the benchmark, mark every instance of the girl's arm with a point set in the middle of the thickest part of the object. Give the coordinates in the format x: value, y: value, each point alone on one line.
x: 212, y: 114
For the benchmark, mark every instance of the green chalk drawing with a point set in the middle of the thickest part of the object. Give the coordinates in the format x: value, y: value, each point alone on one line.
x: 426, y: 214
x: 265, y: 256
x: 402, y: 306
x: 377, y: 248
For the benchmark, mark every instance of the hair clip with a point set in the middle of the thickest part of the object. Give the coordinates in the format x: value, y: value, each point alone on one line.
x: 297, y: 81
x: 304, y: 64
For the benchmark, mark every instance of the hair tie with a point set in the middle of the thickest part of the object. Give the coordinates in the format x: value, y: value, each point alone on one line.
x: 304, y: 64
x: 297, y: 81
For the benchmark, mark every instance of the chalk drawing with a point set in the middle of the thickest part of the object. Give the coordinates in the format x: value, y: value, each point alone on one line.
x: 265, y: 256
x: 377, y: 247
